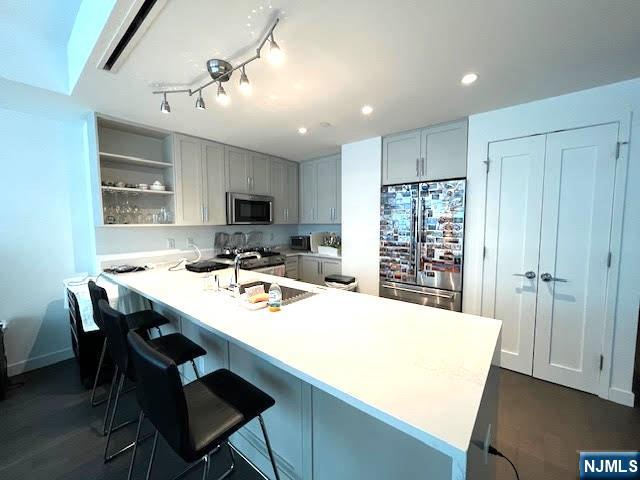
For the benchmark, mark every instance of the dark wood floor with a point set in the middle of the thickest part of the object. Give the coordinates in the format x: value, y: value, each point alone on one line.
x: 542, y: 426
x: 48, y: 431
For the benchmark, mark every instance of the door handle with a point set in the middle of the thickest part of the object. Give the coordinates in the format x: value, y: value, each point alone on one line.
x: 400, y: 289
x: 547, y: 277
x: 530, y: 275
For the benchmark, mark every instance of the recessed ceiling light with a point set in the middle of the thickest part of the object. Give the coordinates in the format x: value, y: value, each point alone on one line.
x: 469, y: 78
x: 302, y: 130
x: 367, y: 109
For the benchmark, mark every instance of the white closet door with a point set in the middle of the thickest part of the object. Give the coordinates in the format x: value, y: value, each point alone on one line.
x: 512, y: 238
x: 574, y: 246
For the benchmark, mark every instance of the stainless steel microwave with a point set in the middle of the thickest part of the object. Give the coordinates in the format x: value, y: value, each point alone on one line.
x: 246, y: 209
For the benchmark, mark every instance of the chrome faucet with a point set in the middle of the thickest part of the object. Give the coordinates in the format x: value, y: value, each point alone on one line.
x: 236, y: 265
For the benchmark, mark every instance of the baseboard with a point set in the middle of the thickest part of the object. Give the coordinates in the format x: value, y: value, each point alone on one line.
x: 621, y: 396
x: 38, y: 362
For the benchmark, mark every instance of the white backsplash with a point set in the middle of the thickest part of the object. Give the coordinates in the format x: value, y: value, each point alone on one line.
x: 110, y: 240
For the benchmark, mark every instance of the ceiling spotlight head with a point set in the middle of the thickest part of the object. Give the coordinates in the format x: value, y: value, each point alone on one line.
x: 200, y: 102
x: 219, y: 70
x: 221, y: 97
x: 245, y: 86
x: 367, y: 109
x: 469, y: 78
x: 164, y: 106
x: 275, y: 55
x: 302, y: 130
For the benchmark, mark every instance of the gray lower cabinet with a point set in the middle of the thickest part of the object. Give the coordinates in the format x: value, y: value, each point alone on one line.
x: 284, y: 189
x: 247, y: 172
x: 320, y: 190
x: 291, y: 267
x: 432, y: 153
x: 200, y: 181
x: 314, y: 269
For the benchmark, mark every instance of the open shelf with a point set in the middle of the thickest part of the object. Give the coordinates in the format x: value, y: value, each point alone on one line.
x: 136, y: 190
x: 114, y: 157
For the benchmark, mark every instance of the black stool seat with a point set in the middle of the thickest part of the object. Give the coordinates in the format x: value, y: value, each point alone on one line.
x: 178, y: 347
x: 197, y: 419
x: 145, y: 319
x: 218, y: 404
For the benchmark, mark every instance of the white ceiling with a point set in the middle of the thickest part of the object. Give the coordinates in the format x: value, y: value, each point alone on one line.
x: 405, y: 58
x: 33, y: 41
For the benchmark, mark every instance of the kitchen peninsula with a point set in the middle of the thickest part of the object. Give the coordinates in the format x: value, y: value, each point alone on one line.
x: 365, y: 387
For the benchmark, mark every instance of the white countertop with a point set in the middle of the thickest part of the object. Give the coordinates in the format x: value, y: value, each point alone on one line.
x: 288, y: 252
x: 420, y: 369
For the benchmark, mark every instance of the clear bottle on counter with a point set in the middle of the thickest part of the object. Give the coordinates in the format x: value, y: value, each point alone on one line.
x: 275, y: 298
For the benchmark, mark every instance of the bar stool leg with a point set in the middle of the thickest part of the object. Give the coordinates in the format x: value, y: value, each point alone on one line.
x: 195, y: 369
x: 106, y: 411
x: 113, y: 416
x: 153, y: 454
x: 135, y: 444
x: 268, y: 443
x: 95, y: 381
x: 206, y: 459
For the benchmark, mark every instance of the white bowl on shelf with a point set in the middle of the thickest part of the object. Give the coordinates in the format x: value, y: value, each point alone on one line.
x: 157, y: 186
x: 143, y: 186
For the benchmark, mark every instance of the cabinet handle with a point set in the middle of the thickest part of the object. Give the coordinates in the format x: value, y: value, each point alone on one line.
x: 422, y: 162
x: 202, y: 212
x: 206, y: 214
x: 417, y: 167
x: 248, y: 183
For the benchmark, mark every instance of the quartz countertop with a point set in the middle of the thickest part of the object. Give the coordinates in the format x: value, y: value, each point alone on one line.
x: 421, y: 370
x: 288, y: 252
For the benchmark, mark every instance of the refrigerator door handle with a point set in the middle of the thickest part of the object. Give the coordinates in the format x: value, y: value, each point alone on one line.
x: 430, y: 294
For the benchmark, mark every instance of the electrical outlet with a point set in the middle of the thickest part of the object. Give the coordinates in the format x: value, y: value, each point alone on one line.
x: 171, y: 243
x: 189, y: 242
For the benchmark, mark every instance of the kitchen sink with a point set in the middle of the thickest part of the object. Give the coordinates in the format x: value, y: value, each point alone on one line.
x: 289, y: 295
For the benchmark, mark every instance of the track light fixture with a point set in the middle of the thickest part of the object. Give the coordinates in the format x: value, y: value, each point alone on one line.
x: 221, y: 97
x: 200, y: 102
x: 245, y: 86
x: 164, y: 106
x: 221, y: 71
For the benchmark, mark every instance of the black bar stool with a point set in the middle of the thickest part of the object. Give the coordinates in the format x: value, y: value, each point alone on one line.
x: 175, y: 346
x: 144, y: 319
x: 197, y: 419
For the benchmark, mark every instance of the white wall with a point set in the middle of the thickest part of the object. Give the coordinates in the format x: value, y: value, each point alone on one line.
x: 617, y: 102
x: 361, y: 178
x: 44, y: 234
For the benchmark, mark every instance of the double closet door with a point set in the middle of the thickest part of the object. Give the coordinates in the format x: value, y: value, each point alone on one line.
x: 547, y: 243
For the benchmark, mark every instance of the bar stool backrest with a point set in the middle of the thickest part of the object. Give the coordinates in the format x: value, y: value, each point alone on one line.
x: 116, y: 329
x: 97, y: 293
x: 160, y: 392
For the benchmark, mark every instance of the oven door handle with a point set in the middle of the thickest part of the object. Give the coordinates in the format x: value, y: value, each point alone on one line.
x: 430, y: 294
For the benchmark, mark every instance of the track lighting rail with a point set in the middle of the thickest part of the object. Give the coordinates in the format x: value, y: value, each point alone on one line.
x: 225, y: 76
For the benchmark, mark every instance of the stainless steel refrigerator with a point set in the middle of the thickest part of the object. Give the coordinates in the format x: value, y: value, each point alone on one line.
x: 422, y: 242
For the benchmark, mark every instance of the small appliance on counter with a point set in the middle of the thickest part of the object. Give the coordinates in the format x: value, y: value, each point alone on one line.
x: 300, y: 242
x: 203, y: 266
x: 316, y: 240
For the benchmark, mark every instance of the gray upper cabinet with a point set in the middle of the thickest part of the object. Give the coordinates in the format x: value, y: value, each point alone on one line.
x: 200, y: 181
x: 431, y: 153
x: 248, y: 172
x: 238, y: 171
x: 214, y: 183
x: 401, y: 158
x: 320, y: 190
x: 260, y: 169
x: 189, y: 188
x: 284, y: 189
x: 445, y: 148
x: 308, y: 191
x: 292, y: 192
